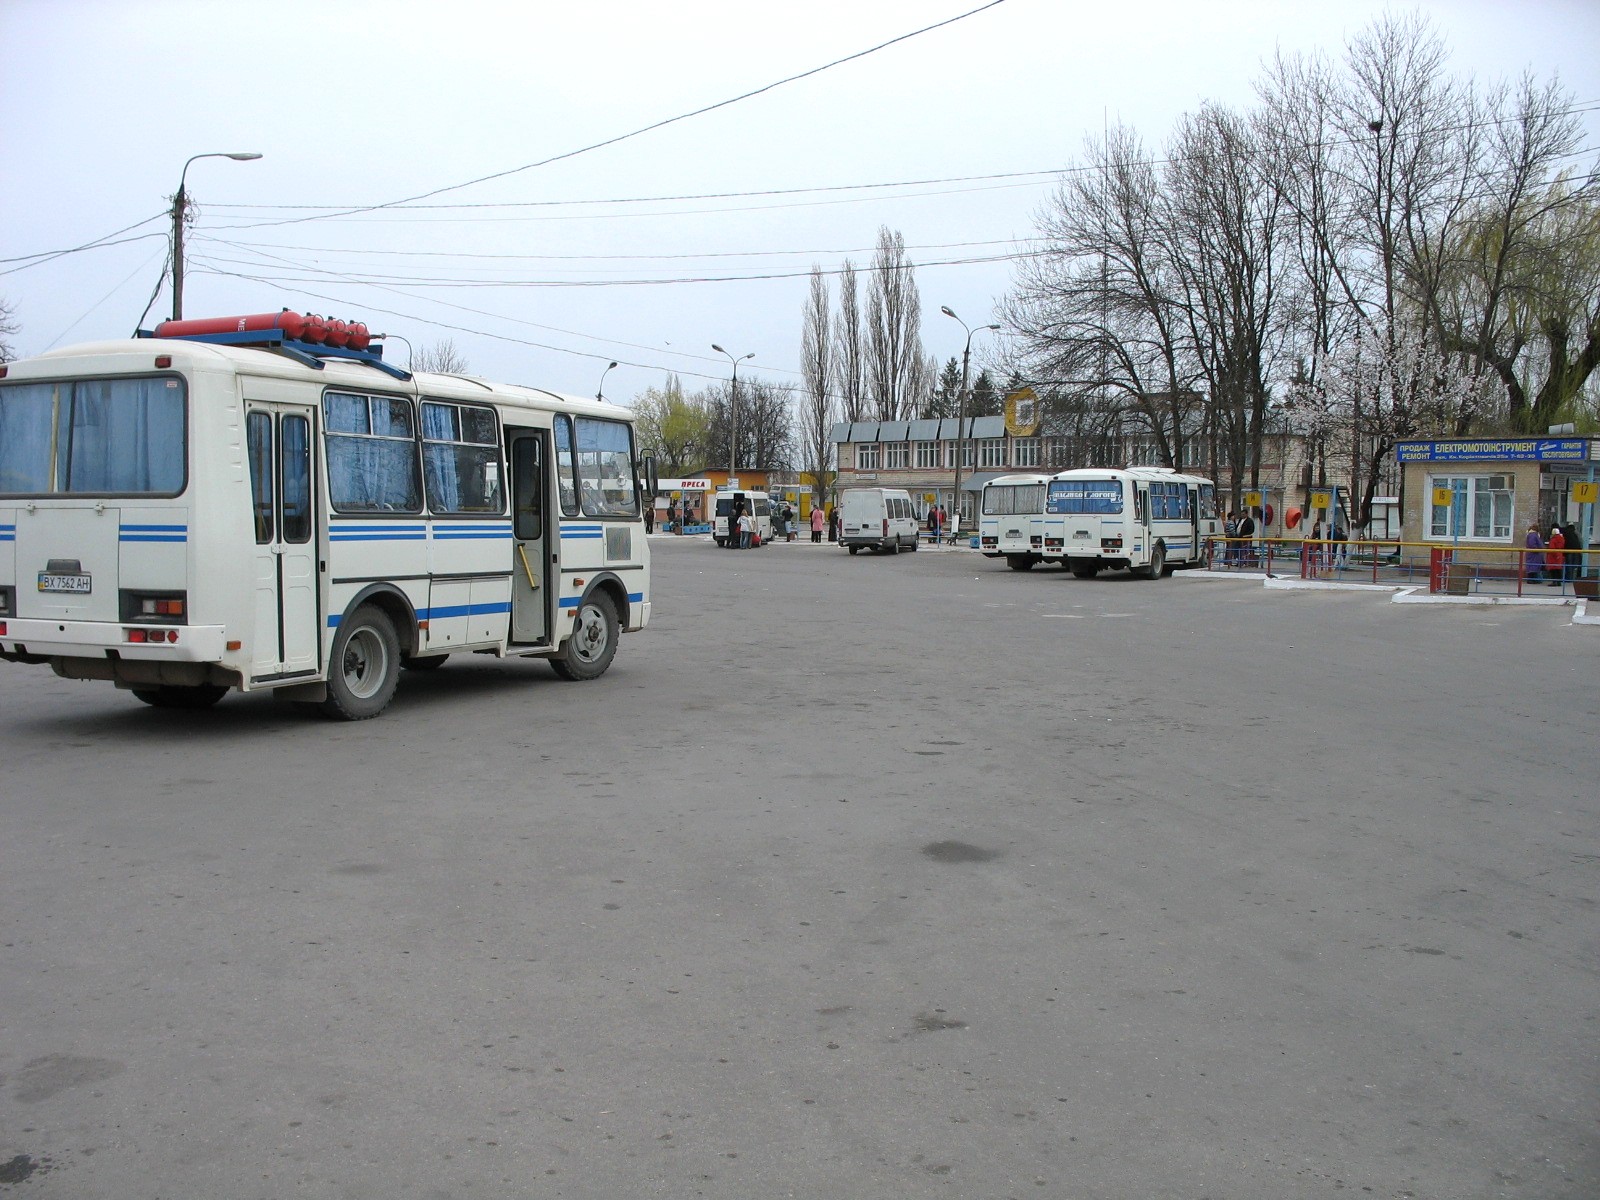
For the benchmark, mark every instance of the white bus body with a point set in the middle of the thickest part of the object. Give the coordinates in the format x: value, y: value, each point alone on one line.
x: 1147, y: 519
x: 758, y: 504
x: 183, y: 518
x: 1011, y: 519
x: 877, y: 519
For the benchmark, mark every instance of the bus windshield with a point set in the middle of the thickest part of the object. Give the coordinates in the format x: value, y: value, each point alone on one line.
x: 1081, y: 496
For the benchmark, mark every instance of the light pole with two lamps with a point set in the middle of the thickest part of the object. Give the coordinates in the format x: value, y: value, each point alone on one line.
x: 961, y: 417
x: 180, y: 205
x: 733, y: 409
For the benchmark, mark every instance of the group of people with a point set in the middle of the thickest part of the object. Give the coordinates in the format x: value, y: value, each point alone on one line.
x: 1239, y: 528
x: 1548, y: 557
x: 1322, y: 554
x: 939, y: 523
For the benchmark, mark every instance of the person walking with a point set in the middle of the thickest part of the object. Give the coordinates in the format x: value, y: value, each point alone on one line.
x: 1533, y: 555
x: 936, y: 522
x: 817, y: 522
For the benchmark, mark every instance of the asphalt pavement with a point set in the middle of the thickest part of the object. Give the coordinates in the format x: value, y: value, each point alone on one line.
x: 874, y: 876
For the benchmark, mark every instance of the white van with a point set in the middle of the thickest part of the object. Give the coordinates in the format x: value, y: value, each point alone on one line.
x: 759, y: 503
x: 882, y: 518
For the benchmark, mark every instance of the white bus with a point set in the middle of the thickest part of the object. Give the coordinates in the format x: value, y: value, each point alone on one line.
x: 1011, y: 520
x: 184, y: 513
x: 1147, y: 519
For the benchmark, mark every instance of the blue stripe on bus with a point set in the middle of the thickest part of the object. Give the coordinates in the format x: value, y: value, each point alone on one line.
x: 582, y: 537
x: 152, y: 533
x: 442, y: 613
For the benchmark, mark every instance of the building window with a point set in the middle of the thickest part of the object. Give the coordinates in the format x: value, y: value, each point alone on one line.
x: 1480, y: 507
x: 1025, y: 452
x: 991, y: 452
x: 927, y: 456
x: 867, y: 456
x: 896, y: 456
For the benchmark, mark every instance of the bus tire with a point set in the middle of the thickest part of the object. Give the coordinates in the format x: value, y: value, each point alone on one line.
x: 1020, y: 562
x: 1158, y: 562
x: 172, y: 696
x: 431, y: 663
x: 593, y: 643
x: 365, y: 666
x: 915, y: 542
x: 1083, y: 571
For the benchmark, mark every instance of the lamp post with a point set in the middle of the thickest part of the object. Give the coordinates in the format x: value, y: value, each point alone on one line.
x: 180, y: 204
x: 733, y: 409
x: 600, y: 392
x: 961, y: 416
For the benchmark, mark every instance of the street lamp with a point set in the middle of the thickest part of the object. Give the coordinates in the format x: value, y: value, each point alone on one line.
x: 961, y: 417
x: 180, y: 204
x: 733, y: 408
x: 600, y: 392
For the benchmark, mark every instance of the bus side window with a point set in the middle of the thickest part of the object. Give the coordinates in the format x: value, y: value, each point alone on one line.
x: 529, y: 482
x: 258, y: 433
x: 566, y: 467
x: 1144, y: 507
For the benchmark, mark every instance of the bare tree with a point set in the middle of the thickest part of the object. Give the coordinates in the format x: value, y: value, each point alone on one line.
x: 849, y: 349
x: 895, y: 361
x: 816, y: 371
x: 442, y: 358
x: 9, y: 328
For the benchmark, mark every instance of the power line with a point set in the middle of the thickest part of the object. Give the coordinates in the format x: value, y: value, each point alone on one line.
x: 612, y: 141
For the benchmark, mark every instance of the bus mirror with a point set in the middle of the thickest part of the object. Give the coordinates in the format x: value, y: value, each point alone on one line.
x: 652, y: 480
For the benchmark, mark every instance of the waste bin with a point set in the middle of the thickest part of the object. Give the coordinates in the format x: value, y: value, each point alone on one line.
x: 1458, y: 579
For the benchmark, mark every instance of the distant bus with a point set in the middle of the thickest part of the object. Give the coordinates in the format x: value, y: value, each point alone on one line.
x: 1011, y: 520
x: 205, y: 510
x: 1148, y: 520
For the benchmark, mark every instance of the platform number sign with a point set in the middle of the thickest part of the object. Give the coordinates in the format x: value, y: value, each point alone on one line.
x: 1585, y: 492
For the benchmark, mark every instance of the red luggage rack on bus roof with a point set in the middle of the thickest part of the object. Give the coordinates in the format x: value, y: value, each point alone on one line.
x: 306, y: 339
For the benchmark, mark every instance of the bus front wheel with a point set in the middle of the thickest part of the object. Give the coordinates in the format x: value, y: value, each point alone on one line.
x: 365, y: 666
x: 593, y: 643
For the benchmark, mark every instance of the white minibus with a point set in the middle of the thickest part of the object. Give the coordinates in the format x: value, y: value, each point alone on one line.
x: 878, y: 519
x: 1011, y: 520
x: 758, y: 504
x: 1147, y: 519
x: 229, y: 505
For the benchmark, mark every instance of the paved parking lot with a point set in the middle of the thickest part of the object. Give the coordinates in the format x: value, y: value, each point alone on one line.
x: 903, y: 876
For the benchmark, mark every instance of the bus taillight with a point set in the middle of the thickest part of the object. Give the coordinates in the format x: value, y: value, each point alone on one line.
x: 141, y: 636
x: 1111, y: 543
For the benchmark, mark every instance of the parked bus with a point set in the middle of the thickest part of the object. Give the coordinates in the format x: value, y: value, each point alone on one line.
x: 1147, y: 519
x: 194, y: 511
x: 1011, y: 520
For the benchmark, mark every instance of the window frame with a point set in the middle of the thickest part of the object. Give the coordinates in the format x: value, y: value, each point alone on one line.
x: 406, y: 405
x: 1477, y: 493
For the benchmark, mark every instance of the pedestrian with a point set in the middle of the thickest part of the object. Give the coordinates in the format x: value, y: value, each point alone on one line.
x: 747, y: 526
x: 833, y: 525
x: 1230, y: 530
x: 1555, y: 562
x: 936, y: 520
x: 788, y: 522
x: 1574, y: 557
x: 734, y: 513
x: 817, y: 522
x: 1317, y: 548
x: 1533, y: 555
x: 649, y: 516
x: 1247, y: 532
x: 1341, y: 546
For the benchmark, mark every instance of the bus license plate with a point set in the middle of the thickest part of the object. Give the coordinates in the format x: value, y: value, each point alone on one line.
x: 80, y: 584
x: 1080, y: 533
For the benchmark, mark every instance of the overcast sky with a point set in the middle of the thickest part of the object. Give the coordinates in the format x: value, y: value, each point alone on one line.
x: 623, y: 252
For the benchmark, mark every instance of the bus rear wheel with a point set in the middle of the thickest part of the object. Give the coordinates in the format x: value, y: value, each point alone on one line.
x: 365, y: 667
x: 1158, y: 562
x: 1083, y: 571
x: 593, y: 643
x: 1020, y: 562
x: 170, y: 696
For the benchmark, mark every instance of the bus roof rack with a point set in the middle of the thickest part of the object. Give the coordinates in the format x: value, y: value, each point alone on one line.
x: 231, y: 331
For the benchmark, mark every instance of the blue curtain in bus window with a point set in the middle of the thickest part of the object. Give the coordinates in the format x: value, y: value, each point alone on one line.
x: 295, y: 454
x: 372, y: 458
x: 25, y: 422
x: 126, y: 436
x: 440, y: 474
x: 461, y: 458
x: 605, y: 467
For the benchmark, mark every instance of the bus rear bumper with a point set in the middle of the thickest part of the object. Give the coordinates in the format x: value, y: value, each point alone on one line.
x: 103, y: 645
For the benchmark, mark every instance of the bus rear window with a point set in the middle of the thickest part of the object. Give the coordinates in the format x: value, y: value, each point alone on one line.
x: 1008, y: 499
x: 121, y: 437
x: 1078, y: 497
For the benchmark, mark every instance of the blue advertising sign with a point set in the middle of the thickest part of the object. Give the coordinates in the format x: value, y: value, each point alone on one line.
x: 1544, y: 449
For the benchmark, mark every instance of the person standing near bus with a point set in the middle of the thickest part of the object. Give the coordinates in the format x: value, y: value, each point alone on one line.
x: 1247, y: 533
x: 817, y: 522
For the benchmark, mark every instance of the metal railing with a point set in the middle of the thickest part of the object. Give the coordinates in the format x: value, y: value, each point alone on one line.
x: 1446, y: 570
